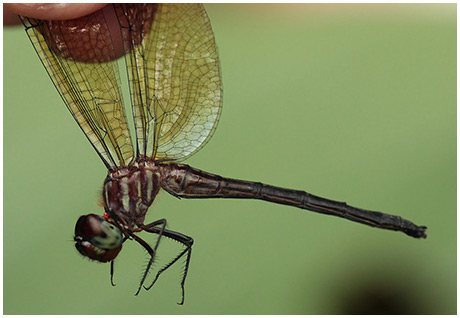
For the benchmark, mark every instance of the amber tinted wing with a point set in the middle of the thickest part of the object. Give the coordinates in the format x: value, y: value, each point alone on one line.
x: 174, y: 76
x: 79, y: 57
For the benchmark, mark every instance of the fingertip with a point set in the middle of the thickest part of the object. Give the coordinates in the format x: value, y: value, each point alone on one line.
x: 10, y: 18
x: 53, y: 11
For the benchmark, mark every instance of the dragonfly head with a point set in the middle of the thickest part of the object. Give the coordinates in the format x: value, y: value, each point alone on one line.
x: 97, y: 238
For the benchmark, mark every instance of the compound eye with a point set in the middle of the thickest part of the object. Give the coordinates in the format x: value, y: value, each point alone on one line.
x: 97, y: 239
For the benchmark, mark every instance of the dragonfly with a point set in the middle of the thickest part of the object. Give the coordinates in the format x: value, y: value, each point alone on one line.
x: 175, y: 87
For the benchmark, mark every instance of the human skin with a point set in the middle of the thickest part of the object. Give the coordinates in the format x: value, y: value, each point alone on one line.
x: 60, y: 11
x: 52, y: 11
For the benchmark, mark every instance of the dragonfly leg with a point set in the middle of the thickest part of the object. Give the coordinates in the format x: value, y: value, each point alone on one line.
x: 152, y: 252
x: 112, y: 266
x: 187, y: 241
x: 111, y: 273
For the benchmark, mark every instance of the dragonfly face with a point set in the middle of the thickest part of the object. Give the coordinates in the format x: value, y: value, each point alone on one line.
x: 97, y: 239
x: 176, y: 96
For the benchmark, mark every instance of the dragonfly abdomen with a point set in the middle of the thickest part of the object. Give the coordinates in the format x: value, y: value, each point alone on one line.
x: 129, y: 192
x: 186, y: 182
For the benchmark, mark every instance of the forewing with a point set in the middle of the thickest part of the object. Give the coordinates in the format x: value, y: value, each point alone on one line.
x: 79, y: 58
x: 174, y: 77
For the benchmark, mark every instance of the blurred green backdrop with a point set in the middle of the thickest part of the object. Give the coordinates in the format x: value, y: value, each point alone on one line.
x: 352, y: 102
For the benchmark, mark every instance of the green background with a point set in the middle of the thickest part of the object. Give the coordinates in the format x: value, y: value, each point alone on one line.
x: 351, y: 102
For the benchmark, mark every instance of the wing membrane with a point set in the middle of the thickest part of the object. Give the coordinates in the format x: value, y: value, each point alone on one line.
x: 174, y: 77
x: 79, y: 57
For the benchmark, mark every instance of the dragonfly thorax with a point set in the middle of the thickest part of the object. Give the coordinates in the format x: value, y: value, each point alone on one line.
x: 128, y: 192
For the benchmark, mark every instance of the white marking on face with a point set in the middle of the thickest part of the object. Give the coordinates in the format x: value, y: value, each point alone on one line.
x: 109, y: 238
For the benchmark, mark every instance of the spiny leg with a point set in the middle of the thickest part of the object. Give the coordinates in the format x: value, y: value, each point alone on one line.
x: 151, y: 251
x: 183, y: 239
x: 112, y: 265
x: 111, y: 273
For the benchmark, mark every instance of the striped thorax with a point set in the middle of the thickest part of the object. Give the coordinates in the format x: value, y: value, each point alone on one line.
x: 128, y: 192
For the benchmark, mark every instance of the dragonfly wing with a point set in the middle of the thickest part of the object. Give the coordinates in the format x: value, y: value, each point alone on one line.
x: 79, y: 57
x: 174, y: 77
